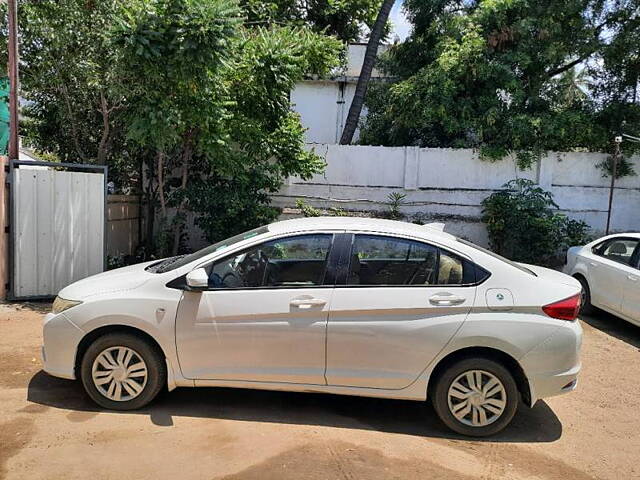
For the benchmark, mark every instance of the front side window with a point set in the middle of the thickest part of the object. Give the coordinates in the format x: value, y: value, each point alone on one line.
x: 287, y: 262
x: 389, y: 261
x: 619, y: 250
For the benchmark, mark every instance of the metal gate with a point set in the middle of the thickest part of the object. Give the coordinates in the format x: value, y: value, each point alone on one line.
x: 57, y: 226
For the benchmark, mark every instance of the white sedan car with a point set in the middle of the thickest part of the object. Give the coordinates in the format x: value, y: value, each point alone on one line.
x: 337, y: 305
x: 609, y: 271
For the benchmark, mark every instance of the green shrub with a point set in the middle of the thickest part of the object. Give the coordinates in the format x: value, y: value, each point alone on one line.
x: 524, y: 225
x: 306, y: 209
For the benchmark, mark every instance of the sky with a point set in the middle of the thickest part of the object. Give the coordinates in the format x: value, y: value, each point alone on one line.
x: 401, y: 26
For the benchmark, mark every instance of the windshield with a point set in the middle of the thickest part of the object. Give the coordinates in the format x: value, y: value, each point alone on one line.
x: 172, y: 263
x: 499, y: 257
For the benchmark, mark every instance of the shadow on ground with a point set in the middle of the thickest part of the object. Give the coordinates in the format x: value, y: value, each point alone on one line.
x: 614, y: 326
x: 537, y: 424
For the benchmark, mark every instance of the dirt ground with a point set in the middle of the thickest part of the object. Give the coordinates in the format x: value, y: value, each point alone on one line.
x: 49, y: 429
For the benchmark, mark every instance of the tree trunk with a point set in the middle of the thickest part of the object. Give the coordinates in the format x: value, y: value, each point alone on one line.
x: 102, y: 147
x: 365, y: 73
x: 187, y: 152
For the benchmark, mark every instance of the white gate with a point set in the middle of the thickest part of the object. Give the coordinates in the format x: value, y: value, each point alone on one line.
x: 57, y: 225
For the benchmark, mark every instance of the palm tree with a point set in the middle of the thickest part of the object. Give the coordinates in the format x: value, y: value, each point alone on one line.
x: 365, y: 73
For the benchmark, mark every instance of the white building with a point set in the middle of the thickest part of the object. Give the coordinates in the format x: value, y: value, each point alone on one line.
x: 324, y: 104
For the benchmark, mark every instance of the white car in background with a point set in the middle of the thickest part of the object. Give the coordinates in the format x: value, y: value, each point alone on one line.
x: 609, y: 271
x: 338, y: 305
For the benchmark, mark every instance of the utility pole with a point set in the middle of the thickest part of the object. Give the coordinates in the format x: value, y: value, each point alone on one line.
x: 13, y: 79
x: 614, y: 171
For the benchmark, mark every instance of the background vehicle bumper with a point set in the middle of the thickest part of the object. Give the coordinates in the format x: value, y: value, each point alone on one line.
x: 60, y: 341
x: 552, y: 367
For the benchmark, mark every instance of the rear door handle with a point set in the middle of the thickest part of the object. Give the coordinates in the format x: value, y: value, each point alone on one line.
x: 593, y: 264
x: 307, y: 302
x: 445, y: 299
x: 633, y: 278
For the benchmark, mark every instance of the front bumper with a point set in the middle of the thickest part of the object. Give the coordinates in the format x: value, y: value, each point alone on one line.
x: 60, y: 343
x: 552, y: 367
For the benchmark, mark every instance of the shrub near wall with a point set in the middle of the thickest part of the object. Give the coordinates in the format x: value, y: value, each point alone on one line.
x: 523, y: 224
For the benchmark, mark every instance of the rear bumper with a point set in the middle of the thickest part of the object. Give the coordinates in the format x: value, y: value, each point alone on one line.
x: 550, y: 385
x: 60, y: 342
x: 552, y: 367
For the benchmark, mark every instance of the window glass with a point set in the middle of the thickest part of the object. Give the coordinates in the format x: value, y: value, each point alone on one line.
x: 619, y: 250
x: 495, y: 255
x: 287, y: 262
x: 391, y: 261
x: 172, y: 263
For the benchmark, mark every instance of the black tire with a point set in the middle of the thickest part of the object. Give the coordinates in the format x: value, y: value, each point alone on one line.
x: 440, y: 396
x: 156, y: 370
x: 585, y: 307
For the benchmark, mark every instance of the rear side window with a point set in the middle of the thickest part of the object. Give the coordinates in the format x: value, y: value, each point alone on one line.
x: 389, y: 261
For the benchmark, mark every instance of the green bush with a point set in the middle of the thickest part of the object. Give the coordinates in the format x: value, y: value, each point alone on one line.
x: 524, y: 225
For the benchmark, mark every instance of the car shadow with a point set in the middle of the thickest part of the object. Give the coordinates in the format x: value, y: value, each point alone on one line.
x: 614, y: 326
x: 537, y: 424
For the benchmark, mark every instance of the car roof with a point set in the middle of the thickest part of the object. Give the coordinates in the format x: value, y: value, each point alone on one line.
x: 617, y: 235
x: 378, y: 225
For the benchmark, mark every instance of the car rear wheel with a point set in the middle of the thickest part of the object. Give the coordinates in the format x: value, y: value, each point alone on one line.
x: 121, y: 371
x: 585, y: 300
x: 476, y: 397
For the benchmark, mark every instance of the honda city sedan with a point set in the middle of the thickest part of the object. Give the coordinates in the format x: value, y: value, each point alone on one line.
x: 339, y: 305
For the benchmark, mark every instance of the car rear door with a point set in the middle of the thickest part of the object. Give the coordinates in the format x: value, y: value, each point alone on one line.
x: 631, y: 296
x: 396, y: 304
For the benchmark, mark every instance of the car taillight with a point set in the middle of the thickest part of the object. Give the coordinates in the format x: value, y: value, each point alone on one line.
x: 566, y: 309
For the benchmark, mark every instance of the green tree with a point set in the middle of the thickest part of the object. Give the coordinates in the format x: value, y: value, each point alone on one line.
x: 344, y: 19
x: 489, y: 75
x: 211, y: 99
x: 186, y: 100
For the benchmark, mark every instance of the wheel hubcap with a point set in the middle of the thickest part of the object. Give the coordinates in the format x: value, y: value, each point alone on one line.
x: 119, y: 373
x: 477, y: 398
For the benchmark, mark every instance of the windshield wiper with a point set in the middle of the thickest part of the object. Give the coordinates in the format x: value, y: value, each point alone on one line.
x: 164, y: 266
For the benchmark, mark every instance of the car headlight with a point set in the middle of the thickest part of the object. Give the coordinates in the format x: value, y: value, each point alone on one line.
x: 61, y: 304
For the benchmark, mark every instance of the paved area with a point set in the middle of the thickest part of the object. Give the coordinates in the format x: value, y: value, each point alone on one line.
x: 49, y: 429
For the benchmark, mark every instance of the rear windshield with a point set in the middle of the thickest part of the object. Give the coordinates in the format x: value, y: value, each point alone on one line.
x: 495, y: 255
x: 172, y: 263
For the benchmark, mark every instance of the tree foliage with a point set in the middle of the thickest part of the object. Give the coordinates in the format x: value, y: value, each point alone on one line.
x: 189, y: 99
x: 497, y: 75
x: 344, y: 19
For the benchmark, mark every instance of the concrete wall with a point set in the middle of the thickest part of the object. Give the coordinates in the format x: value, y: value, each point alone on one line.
x: 323, y: 105
x: 123, y: 223
x: 449, y: 184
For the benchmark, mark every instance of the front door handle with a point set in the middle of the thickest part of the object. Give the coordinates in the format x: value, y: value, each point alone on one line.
x: 307, y: 302
x: 633, y: 278
x: 445, y: 299
x: 593, y: 264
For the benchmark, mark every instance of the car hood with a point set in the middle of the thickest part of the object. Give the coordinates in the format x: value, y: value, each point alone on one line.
x: 553, y: 275
x: 120, y: 279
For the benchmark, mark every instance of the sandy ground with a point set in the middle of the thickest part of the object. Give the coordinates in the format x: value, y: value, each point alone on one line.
x: 49, y: 429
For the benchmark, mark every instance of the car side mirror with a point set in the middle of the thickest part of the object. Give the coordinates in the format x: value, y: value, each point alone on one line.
x: 197, y: 279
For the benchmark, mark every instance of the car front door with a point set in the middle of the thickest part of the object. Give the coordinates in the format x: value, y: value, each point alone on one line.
x: 398, y: 306
x: 608, y: 271
x: 631, y: 296
x: 263, y: 317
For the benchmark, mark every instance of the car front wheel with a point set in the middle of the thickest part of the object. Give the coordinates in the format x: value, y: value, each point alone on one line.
x: 476, y: 397
x: 121, y: 371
